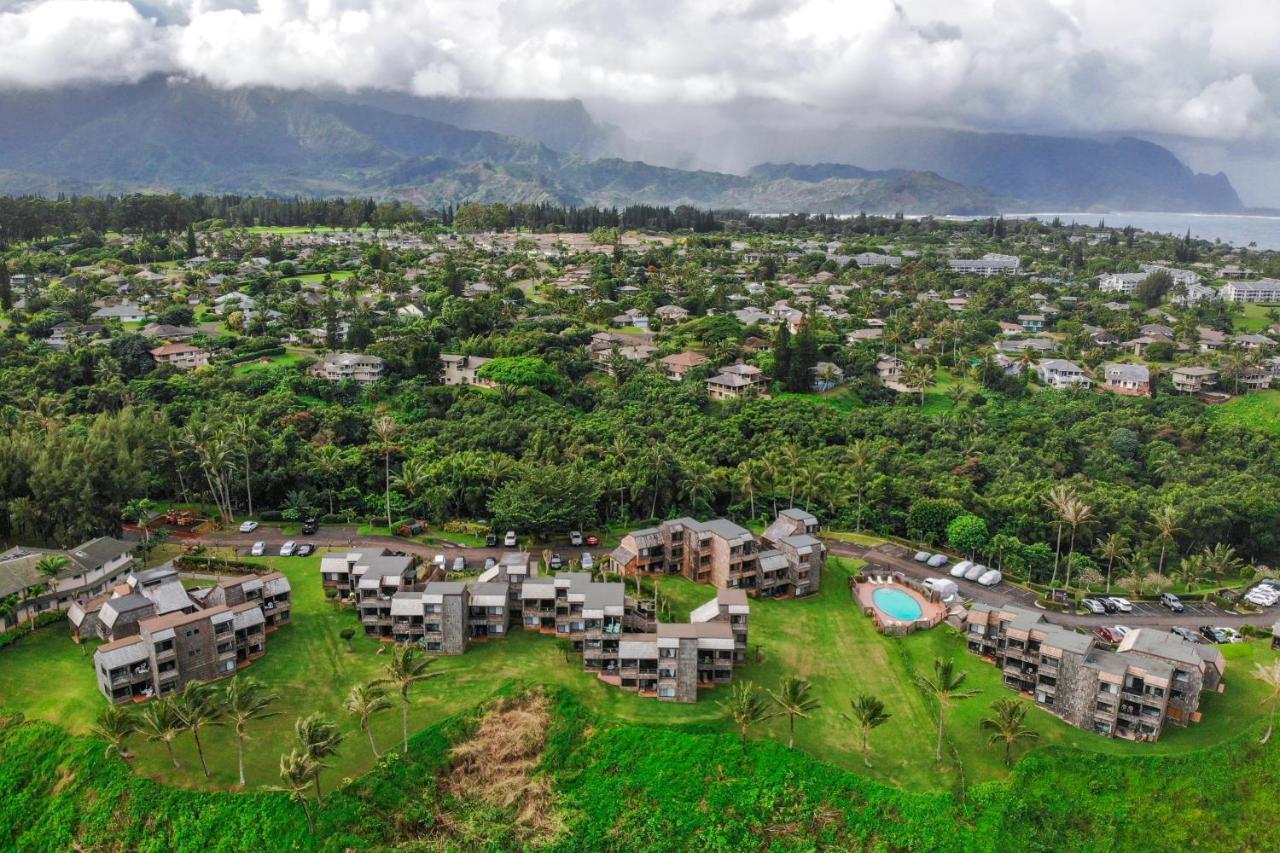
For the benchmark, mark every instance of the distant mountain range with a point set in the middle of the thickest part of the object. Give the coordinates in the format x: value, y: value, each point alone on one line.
x: 189, y: 136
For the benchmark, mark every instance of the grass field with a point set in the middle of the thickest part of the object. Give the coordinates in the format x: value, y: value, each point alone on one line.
x: 287, y: 359
x: 336, y: 275
x: 1258, y: 411
x: 1254, y: 318
x: 823, y: 638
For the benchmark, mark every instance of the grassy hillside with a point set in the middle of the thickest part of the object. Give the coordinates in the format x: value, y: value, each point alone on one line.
x: 618, y: 786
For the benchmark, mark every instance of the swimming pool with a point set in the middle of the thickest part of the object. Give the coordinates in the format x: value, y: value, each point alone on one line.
x: 896, y: 603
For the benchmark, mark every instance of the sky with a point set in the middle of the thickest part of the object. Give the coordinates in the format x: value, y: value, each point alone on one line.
x: 1201, y: 76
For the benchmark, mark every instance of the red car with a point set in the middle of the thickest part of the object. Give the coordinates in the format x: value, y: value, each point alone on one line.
x: 591, y: 540
x: 1109, y: 634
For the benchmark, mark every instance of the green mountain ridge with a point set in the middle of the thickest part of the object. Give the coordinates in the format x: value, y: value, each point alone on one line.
x: 192, y: 137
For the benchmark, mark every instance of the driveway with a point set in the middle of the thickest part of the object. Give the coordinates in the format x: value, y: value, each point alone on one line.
x: 897, y: 558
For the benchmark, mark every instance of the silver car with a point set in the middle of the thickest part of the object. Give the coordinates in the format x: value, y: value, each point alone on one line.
x: 287, y: 549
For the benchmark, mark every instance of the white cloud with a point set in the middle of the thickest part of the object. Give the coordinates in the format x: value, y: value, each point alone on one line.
x: 1184, y: 67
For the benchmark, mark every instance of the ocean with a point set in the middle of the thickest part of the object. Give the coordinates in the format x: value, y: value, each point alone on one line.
x: 1254, y: 232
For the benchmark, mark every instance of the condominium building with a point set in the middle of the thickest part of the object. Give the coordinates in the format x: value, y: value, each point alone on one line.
x: 91, y: 568
x: 990, y: 264
x: 343, y: 572
x: 1151, y: 679
x: 342, y: 366
x: 445, y: 617
x: 159, y: 637
x: 464, y: 370
x: 1262, y: 290
x: 727, y: 555
x: 1122, y: 282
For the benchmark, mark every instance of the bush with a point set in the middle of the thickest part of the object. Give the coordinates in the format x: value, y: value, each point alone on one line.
x: 271, y: 515
x: 48, y: 617
x: 469, y: 528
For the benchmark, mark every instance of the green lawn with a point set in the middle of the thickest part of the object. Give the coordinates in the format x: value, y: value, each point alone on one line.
x: 287, y: 359
x: 837, y: 398
x: 1257, y: 411
x: 1254, y: 318
x: 823, y: 638
x: 336, y: 275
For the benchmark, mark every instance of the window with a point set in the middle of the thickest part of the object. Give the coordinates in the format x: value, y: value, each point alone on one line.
x: 667, y: 692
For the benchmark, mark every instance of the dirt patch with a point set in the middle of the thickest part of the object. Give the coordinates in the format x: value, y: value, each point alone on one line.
x: 497, y: 766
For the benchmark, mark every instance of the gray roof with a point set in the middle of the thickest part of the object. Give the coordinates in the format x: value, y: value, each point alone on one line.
x: 121, y: 653
x: 445, y: 588
x: 1131, y: 372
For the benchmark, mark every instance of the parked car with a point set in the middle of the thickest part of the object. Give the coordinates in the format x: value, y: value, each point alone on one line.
x: 575, y: 538
x: 1171, y: 601
x: 588, y: 562
x: 1106, y: 634
x: 1093, y: 605
x: 258, y: 549
x: 591, y: 540
x: 958, y: 570
x: 975, y: 571
x: 922, y: 556
x: 489, y: 563
x: 287, y: 549
x: 310, y: 526
x: 438, y: 561
x: 412, y: 528
x: 248, y: 526
x: 990, y: 578
x: 306, y: 549
x: 459, y: 564
x: 1232, y: 635
x: 1122, y: 630
x: 509, y: 541
x: 937, y: 561
x: 1185, y: 633
x: 1214, y: 635
x: 1121, y: 604
x: 556, y: 562
x: 491, y: 540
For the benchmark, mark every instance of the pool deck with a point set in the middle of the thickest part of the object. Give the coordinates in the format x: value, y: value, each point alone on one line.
x: 931, y: 613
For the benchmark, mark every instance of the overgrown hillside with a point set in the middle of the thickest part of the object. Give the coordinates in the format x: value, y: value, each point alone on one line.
x: 530, y: 770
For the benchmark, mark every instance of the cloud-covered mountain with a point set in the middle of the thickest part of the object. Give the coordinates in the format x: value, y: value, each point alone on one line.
x: 174, y: 134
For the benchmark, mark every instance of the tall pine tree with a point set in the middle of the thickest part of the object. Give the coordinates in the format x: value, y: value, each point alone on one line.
x: 6, y: 287
x: 782, y: 355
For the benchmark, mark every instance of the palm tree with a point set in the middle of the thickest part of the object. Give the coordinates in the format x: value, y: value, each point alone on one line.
x: 244, y: 700
x: 918, y: 377
x: 795, y: 698
x: 1059, y: 502
x: 327, y: 460
x: 139, y: 511
x: 244, y: 432
x: 404, y: 670
x: 115, y: 724
x: 414, y: 476
x: 1077, y: 515
x: 746, y: 706
x: 750, y: 477
x: 297, y: 769
x: 384, y: 428
x: 319, y: 738
x: 1165, y: 521
x: 1269, y: 674
x: 1007, y: 726
x: 1221, y: 560
x: 1111, y: 548
x: 868, y: 713
x: 945, y: 686
x: 363, y: 702
x: 160, y: 722
x: 196, y: 708
x: 50, y: 565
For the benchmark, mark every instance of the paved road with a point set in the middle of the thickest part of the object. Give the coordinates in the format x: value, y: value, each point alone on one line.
x: 897, y: 558
x: 888, y: 556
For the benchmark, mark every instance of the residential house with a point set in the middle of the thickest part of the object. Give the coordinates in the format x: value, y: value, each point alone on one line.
x: 1131, y: 379
x: 1060, y: 373
x: 1252, y: 342
x: 826, y: 375
x: 166, y: 332
x: 1193, y: 379
x: 606, y: 347
x: 890, y: 369
x: 671, y: 313
x: 181, y: 356
x: 858, y: 336
x: 873, y: 259
x: 676, y: 366
x: 126, y: 312
x: 1032, y: 344
x: 737, y: 381
x: 464, y: 370
x: 343, y: 366
x: 1031, y: 322
x: 632, y: 317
